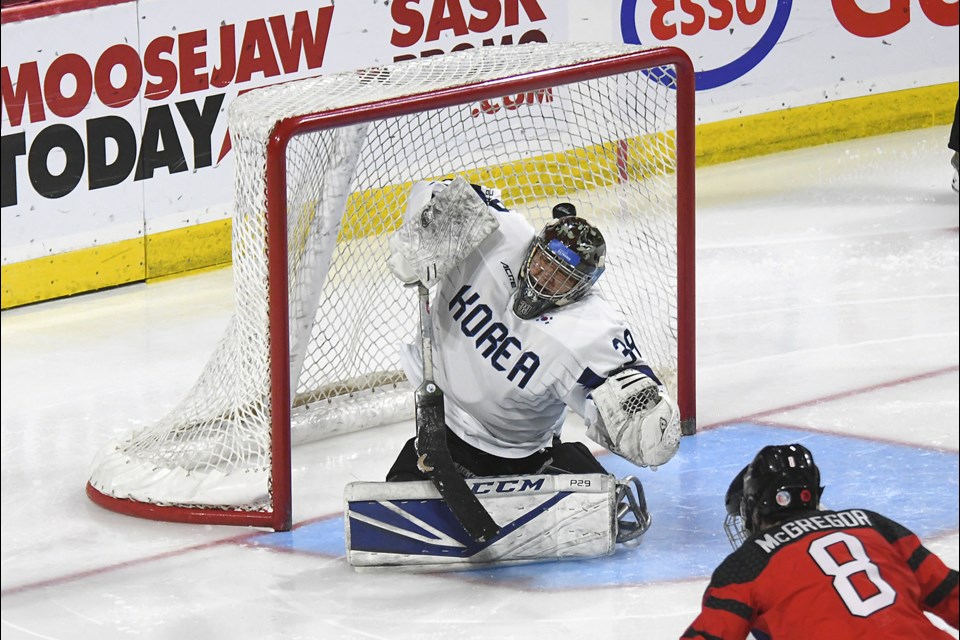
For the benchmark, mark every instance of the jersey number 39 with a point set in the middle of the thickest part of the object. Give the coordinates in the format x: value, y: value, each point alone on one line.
x: 627, y: 346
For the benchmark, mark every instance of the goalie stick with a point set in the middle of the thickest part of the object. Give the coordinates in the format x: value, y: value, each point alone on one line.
x: 431, y: 443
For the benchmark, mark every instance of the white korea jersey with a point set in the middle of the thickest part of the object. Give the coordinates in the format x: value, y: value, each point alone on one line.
x: 507, y: 381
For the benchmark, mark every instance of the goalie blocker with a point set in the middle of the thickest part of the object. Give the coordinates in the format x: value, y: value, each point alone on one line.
x: 407, y: 525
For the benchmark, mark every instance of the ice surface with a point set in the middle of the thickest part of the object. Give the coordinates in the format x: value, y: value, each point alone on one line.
x: 827, y: 313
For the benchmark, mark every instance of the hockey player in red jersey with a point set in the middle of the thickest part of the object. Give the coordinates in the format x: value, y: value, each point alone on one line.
x: 803, y: 572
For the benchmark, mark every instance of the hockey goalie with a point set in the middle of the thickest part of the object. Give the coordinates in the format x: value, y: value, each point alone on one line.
x: 513, y: 334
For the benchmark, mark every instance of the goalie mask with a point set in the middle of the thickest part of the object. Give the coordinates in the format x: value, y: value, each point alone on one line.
x: 561, y: 265
x: 780, y: 481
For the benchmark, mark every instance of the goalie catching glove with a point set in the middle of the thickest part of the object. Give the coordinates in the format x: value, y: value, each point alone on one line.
x: 638, y: 420
x: 442, y: 225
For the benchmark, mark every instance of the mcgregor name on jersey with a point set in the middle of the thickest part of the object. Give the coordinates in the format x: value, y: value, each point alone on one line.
x: 796, y: 528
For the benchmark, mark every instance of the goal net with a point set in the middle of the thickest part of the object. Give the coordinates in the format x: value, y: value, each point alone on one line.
x: 323, y: 166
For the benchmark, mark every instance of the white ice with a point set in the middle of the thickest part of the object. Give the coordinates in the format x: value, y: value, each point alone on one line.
x: 827, y: 301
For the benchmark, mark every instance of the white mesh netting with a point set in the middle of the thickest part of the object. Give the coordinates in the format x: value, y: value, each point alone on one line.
x: 606, y: 144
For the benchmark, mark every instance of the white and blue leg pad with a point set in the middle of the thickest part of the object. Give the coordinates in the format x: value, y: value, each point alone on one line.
x: 407, y: 526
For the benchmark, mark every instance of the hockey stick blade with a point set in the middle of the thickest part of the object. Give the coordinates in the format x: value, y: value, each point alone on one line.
x: 435, y: 461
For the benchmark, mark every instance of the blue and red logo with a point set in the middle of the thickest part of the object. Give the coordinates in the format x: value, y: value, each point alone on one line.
x: 724, y: 38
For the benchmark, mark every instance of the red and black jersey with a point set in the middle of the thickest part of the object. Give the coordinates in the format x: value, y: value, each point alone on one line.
x: 829, y: 574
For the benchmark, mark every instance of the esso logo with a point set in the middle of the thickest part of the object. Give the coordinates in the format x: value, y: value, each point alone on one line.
x: 731, y: 36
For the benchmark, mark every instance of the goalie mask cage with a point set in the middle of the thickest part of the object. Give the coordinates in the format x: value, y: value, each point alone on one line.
x: 322, y: 170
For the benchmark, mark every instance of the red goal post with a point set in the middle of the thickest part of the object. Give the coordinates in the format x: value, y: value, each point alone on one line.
x: 322, y: 169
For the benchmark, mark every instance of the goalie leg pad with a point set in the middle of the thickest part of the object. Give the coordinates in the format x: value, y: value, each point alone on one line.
x: 407, y: 526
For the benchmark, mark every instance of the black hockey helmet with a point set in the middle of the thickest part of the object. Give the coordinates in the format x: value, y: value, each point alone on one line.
x: 782, y: 479
x: 561, y: 265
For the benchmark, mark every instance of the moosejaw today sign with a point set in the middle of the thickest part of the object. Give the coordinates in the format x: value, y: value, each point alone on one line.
x: 89, y: 127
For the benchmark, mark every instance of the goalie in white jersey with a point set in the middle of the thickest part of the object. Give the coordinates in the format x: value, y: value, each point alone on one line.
x: 520, y: 335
